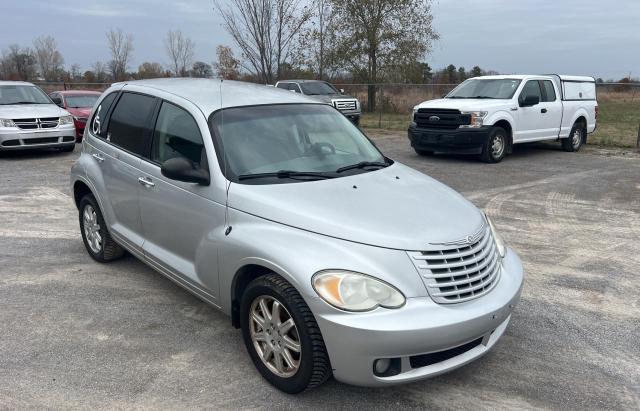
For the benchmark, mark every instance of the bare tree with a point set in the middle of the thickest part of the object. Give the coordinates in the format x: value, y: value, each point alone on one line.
x: 150, y: 70
x: 180, y: 51
x: 100, y: 71
x: 50, y: 60
x: 265, y: 31
x: 121, y: 47
x: 18, y: 63
x: 227, y: 66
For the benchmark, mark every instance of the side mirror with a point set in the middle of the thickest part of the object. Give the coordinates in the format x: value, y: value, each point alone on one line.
x: 181, y: 169
x: 341, y: 91
x: 57, y: 101
x: 530, y: 101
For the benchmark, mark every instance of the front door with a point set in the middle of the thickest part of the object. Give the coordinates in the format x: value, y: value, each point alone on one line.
x: 531, y: 122
x: 179, y: 218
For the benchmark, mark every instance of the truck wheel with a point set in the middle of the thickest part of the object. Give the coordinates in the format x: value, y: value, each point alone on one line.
x: 95, y: 235
x: 282, y: 336
x: 423, y: 152
x: 495, y: 148
x: 576, y: 138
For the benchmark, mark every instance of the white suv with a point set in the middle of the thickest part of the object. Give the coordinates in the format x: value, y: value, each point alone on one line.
x: 29, y: 119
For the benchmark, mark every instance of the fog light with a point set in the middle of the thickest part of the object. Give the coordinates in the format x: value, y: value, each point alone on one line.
x: 381, y: 366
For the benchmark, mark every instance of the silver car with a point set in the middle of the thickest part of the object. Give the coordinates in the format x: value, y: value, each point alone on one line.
x: 30, y: 120
x: 332, y: 258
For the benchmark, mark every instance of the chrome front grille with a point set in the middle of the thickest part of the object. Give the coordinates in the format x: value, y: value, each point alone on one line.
x: 345, y: 105
x: 36, y: 123
x: 461, y: 270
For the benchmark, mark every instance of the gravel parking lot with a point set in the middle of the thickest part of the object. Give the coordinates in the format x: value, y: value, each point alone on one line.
x: 76, y: 334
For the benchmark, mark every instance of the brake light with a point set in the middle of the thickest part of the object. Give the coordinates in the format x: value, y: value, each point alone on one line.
x: 596, y: 112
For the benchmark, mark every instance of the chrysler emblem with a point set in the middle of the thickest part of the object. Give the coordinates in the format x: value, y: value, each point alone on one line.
x: 434, y: 118
x: 469, y: 239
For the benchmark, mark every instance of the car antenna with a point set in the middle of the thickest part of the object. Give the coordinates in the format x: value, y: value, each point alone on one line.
x: 228, y: 227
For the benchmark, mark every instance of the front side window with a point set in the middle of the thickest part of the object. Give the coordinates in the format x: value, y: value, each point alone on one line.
x: 81, y: 101
x: 98, y: 123
x: 486, y: 88
x: 307, y: 138
x: 531, y: 88
x: 284, y: 86
x: 313, y: 88
x: 19, y: 94
x: 128, y: 125
x: 549, y: 91
x: 177, y: 135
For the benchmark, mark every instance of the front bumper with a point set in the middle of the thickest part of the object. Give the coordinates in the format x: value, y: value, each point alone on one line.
x: 354, y: 116
x: 459, y: 140
x: 355, y: 340
x: 17, y: 139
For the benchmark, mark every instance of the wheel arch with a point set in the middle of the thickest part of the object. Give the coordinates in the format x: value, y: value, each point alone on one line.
x: 506, y: 125
x: 80, y: 189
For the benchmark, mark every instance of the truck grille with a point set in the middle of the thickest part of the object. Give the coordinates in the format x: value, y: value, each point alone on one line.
x: 440, y: 118
x: 345, y: 105
x: 36, y: 123
x: 461, y: 270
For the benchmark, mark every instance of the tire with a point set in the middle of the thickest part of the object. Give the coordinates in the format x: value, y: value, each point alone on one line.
x: 68, y: 149
x: 106, y: 249
x: 423, y: 152
x: 310, y: 367
x: 495, y: 148
x: 576, y: 138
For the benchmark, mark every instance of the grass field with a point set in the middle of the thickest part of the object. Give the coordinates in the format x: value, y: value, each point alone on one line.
x: 618, y: 122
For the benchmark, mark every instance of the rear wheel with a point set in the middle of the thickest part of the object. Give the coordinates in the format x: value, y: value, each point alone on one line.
x: 495, y: 148
x: 423, y: 152
x: 282, y: 336
x: 576, y: 138
x: 97, y: 240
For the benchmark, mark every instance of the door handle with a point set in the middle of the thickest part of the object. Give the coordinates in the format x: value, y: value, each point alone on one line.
x: 98, y: 157
x: 544, y: 110
x: 146, y: 182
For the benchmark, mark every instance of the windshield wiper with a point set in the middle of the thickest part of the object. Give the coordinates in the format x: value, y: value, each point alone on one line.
x: 285, y: 174
x: 22, y: 102
x: 479, y: 97
x: 362, y: 164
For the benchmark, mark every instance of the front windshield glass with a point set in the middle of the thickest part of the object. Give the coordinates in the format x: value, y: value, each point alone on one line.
x: 486, y: 88
x: 19, y: 94
x: 79, y: 101
x: 290, y: 139
x: 313, y: 88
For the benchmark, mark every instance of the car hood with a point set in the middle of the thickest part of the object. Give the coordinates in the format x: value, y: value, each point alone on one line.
x: 395, y: 207
x: 465, y: 104
x: 18, y: 111
x: 80, y: 111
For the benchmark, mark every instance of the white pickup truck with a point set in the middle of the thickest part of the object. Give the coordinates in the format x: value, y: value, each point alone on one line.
x: 488, y: 115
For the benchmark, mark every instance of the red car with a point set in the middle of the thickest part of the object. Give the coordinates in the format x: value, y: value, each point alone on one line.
x: 79, y: 103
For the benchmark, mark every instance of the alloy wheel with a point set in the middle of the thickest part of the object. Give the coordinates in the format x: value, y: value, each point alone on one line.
x: 576, y: 138
x: 92, y: 229
x: 275, y: 336
x: 497, y: 145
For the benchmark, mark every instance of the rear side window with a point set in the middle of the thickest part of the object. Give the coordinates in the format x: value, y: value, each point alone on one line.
x: 98, y: 123
x: 177, y: 135
x: 283, y: 86
x: 550, y: 93
x: 128, y: 124
x: 531, y: 88
x: 574, y: 90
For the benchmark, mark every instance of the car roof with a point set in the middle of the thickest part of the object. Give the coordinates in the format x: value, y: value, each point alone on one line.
x: 524, y: 76
x: 301, y: 81
x: 16, y: 83
x: 213, y: 94
x: 77, y: 92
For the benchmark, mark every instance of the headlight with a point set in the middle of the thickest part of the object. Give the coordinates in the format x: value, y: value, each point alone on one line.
x: 65, y: 120
x: 6, y: 123
x: 353, y: 291
x: 500, y: 245
x: 477, y: 117
x: 413, y: 114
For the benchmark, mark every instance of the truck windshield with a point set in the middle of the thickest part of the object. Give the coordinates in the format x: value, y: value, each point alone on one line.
x: 314, y: 88
x: 18, y: 94
x: 486, y: 88
x: 287, y: 143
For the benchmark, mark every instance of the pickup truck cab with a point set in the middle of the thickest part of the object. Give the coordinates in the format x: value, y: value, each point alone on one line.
x: 325, y: 93
x: 488, y: 115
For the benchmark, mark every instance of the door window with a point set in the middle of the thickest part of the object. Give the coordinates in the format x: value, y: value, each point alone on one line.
x: 284, y: 86
x: 531, y: 88
x: 128, y: 124
x: 177, y: 135
x: 549, y: 92
x: 98, y: 123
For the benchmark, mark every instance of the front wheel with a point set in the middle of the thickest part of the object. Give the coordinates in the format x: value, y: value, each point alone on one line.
x: 576, y: 138
x: 97, y: 240
x: 282, y: 336
x: 69, y: 148
x: 495, y: 148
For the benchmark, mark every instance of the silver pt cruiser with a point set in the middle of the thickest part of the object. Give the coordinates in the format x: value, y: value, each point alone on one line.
x: 332, y: 258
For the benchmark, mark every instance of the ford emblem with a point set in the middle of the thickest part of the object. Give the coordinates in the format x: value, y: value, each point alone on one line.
x: 434, y: 118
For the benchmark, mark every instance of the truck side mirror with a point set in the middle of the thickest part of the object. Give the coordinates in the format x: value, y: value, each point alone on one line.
x: 341, y: 91
x: 530, y: 101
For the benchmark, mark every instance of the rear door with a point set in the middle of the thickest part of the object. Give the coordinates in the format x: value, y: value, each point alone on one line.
x: 117, y: 150
x: 180, y: 219
x: 551, y: 109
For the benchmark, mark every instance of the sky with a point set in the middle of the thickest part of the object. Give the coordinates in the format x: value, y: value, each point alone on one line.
x: 582, y: 37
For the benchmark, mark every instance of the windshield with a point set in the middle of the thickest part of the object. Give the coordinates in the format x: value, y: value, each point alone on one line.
x: 313, y: 88
x: 78, y: 101
x: 289, y: 139
x: 19, y: 94
x: 486, y: 88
